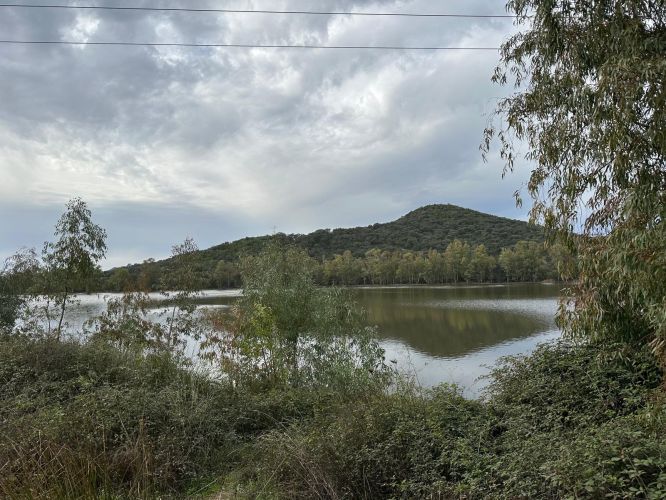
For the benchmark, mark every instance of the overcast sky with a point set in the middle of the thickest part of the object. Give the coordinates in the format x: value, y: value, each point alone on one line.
x: 217, y: 144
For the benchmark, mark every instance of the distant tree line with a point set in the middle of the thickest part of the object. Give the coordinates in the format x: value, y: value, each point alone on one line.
x: 407, y: 239
x: 459, y: 262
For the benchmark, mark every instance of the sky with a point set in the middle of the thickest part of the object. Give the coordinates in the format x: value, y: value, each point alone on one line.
x: 220, y: 143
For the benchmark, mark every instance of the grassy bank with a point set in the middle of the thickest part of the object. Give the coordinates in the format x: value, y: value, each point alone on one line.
x: 86, y: 420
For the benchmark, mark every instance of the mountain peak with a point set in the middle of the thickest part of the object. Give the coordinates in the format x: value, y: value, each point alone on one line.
x: 428, y: 227
x: 425, y: 228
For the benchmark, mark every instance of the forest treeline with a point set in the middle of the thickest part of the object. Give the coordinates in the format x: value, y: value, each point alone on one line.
x: 459, y: 262
x: 418, y: 233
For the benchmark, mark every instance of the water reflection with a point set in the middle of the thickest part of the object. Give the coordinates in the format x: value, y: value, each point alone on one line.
x: 451, y: 322
x: 451, y: 332
x: 435, y: 334
x: 455, y: 334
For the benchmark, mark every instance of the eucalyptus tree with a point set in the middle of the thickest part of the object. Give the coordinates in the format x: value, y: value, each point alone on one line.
x: 344, y: 269
x: 373, y: 266
x: 481, y: 264
x: 16, y: 280
x: 287, y: 330
x: 457, y: 256
x: 436, y: 267
x: 71, y: 261
x: 226, y: 274
x: 590, y: 107
x: 508, y: 263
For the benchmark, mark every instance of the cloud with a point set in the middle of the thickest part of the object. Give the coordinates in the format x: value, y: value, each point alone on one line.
x: 247, y: 138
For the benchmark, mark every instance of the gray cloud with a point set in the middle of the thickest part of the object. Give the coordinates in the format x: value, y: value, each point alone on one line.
x: 229, y: 142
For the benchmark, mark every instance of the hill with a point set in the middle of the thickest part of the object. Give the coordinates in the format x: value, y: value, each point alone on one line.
x: 428, y: 227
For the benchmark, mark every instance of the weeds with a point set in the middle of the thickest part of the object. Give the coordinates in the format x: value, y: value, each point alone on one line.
x: 91, y: 421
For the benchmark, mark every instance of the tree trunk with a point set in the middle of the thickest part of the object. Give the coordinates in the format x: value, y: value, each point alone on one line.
x: 62, y: 315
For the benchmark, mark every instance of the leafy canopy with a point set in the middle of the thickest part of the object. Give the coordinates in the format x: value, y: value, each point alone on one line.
x: 590, y: 106
x: 80, y: 244
x: 285, y: 330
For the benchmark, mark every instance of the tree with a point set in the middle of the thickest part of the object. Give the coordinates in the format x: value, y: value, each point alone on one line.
x: 561, y: 261
x: 508, y: 262
x: 287, y: 330
x: 120, y: 280
x: 149, y: 276
x: 226, y: 274
x: 16, y: 279
x: 407, y: 271
x: 436, y: 267
x: 457, y: 256
x: 126, y: 324
x: 373, y: 266
x: 590, y: 106
x: 343, y: 269
x: 480, y: 265
x: 71, y: 261
x: 180, y: 286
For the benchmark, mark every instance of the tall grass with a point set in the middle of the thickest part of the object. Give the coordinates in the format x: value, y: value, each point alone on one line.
x: 88, y: 421
x: 85, y: 420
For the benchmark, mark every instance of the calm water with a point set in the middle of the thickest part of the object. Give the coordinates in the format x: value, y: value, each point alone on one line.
x: 454, y: 334
x: 434, y: 334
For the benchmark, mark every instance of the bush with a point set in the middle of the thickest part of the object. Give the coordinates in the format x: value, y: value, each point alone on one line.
x: 405, y: 444
x: 88, y: 420
x: 542, y: 402
x: 83, y: 418
x: 564, y: 421
x: 623, y: 458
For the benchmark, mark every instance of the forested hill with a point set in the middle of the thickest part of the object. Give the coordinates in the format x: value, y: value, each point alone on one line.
x: 429, y: 227
x: 432, y: 227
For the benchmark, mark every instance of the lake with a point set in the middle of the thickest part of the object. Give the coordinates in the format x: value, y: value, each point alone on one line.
x: 455, y: 333
x: 433, y: 334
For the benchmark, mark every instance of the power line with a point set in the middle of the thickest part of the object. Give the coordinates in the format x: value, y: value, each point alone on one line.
x: 242, y: 11
x: 238, y: 45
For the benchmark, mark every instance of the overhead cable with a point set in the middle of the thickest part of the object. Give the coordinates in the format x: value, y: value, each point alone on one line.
x: 257, y: 11
x: 238, y: 45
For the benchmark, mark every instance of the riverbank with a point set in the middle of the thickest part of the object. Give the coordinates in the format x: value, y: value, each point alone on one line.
x: 462, y: 284
x: 87, y: 420
x: 434, y: 334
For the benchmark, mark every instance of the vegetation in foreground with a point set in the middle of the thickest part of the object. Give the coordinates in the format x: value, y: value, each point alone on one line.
x: 90, y: 421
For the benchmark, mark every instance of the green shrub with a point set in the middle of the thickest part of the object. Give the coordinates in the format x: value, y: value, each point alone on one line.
x: 540, y: 403
x: 552, y: 425
x: 88, y: 420
x: 83, y: 418
x: 405, y: 444
x: 562, y: 386
x: 623, y: 458
x: 80, y: 418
